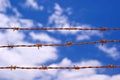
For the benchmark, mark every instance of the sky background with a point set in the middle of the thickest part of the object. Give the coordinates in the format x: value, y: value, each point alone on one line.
x: 60, y: 13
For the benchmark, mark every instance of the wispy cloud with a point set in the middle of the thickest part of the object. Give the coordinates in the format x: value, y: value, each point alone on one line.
x: 43, y: 37
x: 110, y: 51
x: 83, y: 37
x: 58, y: 19
x: 12, y: 21
x: 4, y: 4
x: 33, y: 4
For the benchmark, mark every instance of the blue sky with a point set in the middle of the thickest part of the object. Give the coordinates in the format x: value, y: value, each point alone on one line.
x: 60, y: 13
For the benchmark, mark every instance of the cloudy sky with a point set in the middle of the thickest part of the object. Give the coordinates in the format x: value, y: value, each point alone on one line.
x: 59, y: 13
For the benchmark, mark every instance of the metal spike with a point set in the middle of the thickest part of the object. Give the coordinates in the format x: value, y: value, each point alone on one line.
x: 103, y: 42
x: 10, y: 46
x: 69, y: 43
x: 112, y: 66
x: 15, y: 28
x: 39, y: 45
x: 76, y: 67
x: 44, y: 67
x: 102, y: 29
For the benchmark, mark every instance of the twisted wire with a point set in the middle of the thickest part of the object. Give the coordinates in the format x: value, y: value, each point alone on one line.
x: 66, y: 44
x: 60, y: 67
x: 48, y: 28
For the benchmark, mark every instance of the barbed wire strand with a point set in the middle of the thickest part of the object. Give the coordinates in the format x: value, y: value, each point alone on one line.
x: 46, y: 68
x: 47, y: 28
x: 66, y: 44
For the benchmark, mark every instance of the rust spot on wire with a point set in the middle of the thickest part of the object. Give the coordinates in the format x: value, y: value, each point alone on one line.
x: 10, y: 46
x: 15, y: 28
x: 103, y: 42
x: 112, y: 66
x: 69, y: 43
x: 39, y: 45
x: 103, y: 29
x: 76, y: 67
x: 12, y: 67
x: 44, y: 67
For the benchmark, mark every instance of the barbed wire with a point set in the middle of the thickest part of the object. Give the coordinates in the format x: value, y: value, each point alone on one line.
x: 46, y: 68
x: 48, y: 28
x: 66, y: 44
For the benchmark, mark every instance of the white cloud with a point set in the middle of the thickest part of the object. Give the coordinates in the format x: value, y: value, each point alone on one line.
x: 27, y: 56
x: 17, y: 13
x: 115, y: 77
x: 13, y: 21
x: 4, y: 4
x: 83, y: 37
x: 86, y: 35
x: 98, y: 77
x: 110, y: 51
x: 11, y: 37
x: 69, y: 11
x: 33, y: 4
x: 43, y: 37
x: 58, y: 19
x: 92, y: 33
x: 58, y: 8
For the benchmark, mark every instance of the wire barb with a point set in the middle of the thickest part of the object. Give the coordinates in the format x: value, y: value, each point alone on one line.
x: 39, y: 45
x: 10, y: 46
x: 69, y: 43
x: 76, y: 67
x: 15, y: 28
x: 103, y: 42
x: 44, y: 67
x: 12, y: 67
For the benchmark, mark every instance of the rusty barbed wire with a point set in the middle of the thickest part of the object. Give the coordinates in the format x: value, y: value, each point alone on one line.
x: 66, y: 44
x: 48, y: 28
x: 46, y: 68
